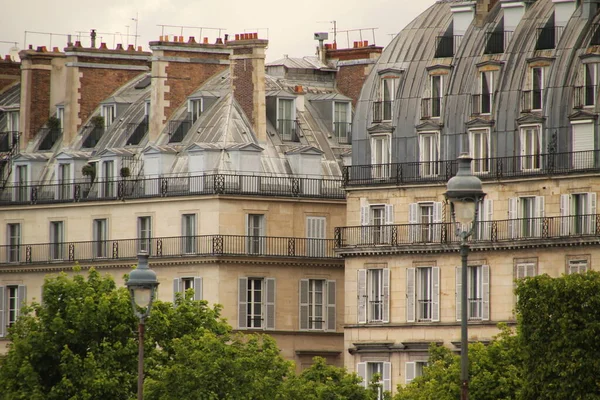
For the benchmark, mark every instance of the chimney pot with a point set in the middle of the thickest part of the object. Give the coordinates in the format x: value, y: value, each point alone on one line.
x: 255, y: 35
x: 219, y: 41
x: 139, y: 48
x: 30, y: 47
x: 77, y: 43
x: 55, y: 49
x: 192, y: 40
x: 237, y: 36
x: 160, y: 38
x: 365, y: 43
x: 7, y: 58
x: 41, y: 49
x: 166, y: 38
x: 181, y: 39
x: 334, y: 47
x: 205, y: 40
x: 119, y: 47
x: 130, y: 48
x: 226, y: 38
x: 103, y: 46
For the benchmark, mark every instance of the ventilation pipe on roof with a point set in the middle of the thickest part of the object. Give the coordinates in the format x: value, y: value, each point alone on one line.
x: 462, y: 16
x: 513, y: 12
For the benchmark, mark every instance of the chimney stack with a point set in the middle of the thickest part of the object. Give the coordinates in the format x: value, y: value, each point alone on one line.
x: 248, y: 79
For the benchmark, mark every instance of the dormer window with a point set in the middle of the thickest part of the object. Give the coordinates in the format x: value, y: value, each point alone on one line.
x: 147, y: 110
x: 431, y: 107
x: 380, y: 155
x: 12, y: 121
x: 341, y: 122
x: 286, y: 120
x: 108, y: 112
x: 483, y: 102
x: 195, y: 108
x: 60, y: 115
x: 585, y: 96
x: 532, y: 98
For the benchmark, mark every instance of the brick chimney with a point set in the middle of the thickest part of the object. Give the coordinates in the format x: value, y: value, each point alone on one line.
x: 353, y: 65
x: 10, y: 72
x: 482, y: 9
x: 92, y: 75
x: 41, y: 70
x: 248, y: 79
x: 178, y: 69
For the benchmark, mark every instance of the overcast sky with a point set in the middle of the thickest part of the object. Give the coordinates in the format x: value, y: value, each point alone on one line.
x: 289, y: 25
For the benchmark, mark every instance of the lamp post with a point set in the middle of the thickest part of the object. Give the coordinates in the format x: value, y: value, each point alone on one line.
x: 142, y: 286
x: 464, y: 191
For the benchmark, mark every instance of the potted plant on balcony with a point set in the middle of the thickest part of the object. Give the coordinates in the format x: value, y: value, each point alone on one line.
x: 53, y: 124
x: 125, y: 172
x: 89, y: 170
x: 97, y: 122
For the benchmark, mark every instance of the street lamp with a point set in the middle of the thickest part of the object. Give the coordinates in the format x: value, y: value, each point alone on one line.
x: 142, y: 286
x: 464, y: 191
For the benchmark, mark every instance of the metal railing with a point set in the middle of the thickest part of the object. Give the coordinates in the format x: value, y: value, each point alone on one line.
x: 288, y: 130
x: 178, y: 246
x: 496, y: 42
x: 509, y: 230
x: 531, y: 100
x: 382, y: 110
x: 584, y: 96
x: 212, y: 184
x: 431, y: 107
x: 136, y: 132
x: 177, y: 130
x: 93, y: 137
x: 8, y: 140
x: 548, y: 37
x: 446, y: 46
x: 482, y: 103
x: 50, y: 137
x: 342, y: 132
x: 546, y: 164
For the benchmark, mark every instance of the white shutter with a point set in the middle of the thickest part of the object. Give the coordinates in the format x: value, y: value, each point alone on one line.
x: 21, y: 297
x: 362, y: 296
x: 361, y: 370
x: 458, y: 293
x: 413, y: 218
x: 198, y: 288
x: 435, y: 294
x: 389, y: 214
x: 331, y: 309
x: 242, y: 303
x: 521, y: 271
x: 485, y: 291
x: 512, y: 216
x: 364, y: 215
x: 410, y: 294
x: 176, y: 288
x: 410, y: 372
x: 530, y: 270
x: 303, y: 294
x: 565, y: 213
x: 385, y: 292
x: 2, y: 312
x: 270, y: 303
x: 437, y: 220
x: 591, y: 223
x: 583, y: 140
x: 387, y: 377
x: 486, y: 218
x: 539, y: 214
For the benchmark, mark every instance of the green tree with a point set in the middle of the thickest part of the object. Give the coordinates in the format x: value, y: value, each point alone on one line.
x: 558, y: 330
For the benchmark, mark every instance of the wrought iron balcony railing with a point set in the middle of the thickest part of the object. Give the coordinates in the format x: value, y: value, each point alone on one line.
x: 531, y: 100
x: 510, y: 230
x: 177, y: 129
x: 342, y: 132
x: 136, y: 132
x: 93, y: 137
x: 431, y: 107
x: 288, y: 130
x: 50, y: 137
x: 446, y: 46
x: 548, y: 164
x: 496, y: 42
x: 178, y: 246
x: 584, y: 96
x: 382, y: 111
x: 213, y: 184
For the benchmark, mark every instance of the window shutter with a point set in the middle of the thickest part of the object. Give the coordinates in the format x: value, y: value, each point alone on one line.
x: 437, y: 220
x: 364, y: 215
x: 270, y: 303
x: 331, y: 310
x: 21, y: 297
x: 362, y: 296
x: 198, y: 288
x: 512, y: 216
x: 303, y: 292
x: 410, y: 295
x: 387, y: 377
x: 413, y: 217
x: 485, y: 291
x: 530, y: 270
x: 521, y: 271
x: 389, y: 214
x: 435, y: 294
x: 176, y: 288
x: 410, y: 372
x: 565, y: 213
x: 591, y: 225
x: 539, y: 214
x: 361, y: 370
x: 458, y: 290
x: 242, y: 303
x: 486, y: 218
x: 385, y: 291
x: 2, y: 312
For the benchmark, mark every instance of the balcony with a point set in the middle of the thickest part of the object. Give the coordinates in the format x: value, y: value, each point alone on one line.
x: 431, y: 107
x: 488, y: 233
x: 482, y: 104
x: 288, y: 130
x: 176, y: 186
x: 584, y: 96
x: 382, y: 111
x: 548, y: 37
x: 50, y: 136
x: 446, y: 46
x: 531, y: 100
x: 342, y: 132
x: 168, y: 247
x: 177, y: 130
x: 93, y: 137
x: 497, y: 168
x: 136, y: 132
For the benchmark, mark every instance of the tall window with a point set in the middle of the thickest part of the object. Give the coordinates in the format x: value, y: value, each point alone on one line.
x: 256, y: 303
x: 64, y: 181
x: 537, y: 86
x: 21, y: 182
x: 479, y: 149
x: 486, y: 90
x: 387, y: 95
x: 578, y: 213
x: 14, y: 242
x: 525, y: 216
x: 377, y: 221
x: 13, y: 121
x: 109, y: 113
x: 188, y: 231
x: 341, y: 121
x: 423, y: 294
x: 57, y: 238
x: 183, y: 284
x: 436, y: 95
x: 108, y: 173
x: 195, y: 109
x: 478, y: 293
x: 531, y: 147
x: 316, y: 316
x: 11, y: 299
x: 13, y: 304
x: 315, y: 236
x: 414, y: 369
x: 577, y: 266
x: 60, y: 115
x: 256, y: 231
x: 428, y: 154
x: 144, y: 227
x: 368, y: 370
x: 589, y: 98
x: 286, y: 119
x: 380, y: 156
x: 317, y: 304
x: 100, y: 236
x: 373, y: 295
x: 425, y: 219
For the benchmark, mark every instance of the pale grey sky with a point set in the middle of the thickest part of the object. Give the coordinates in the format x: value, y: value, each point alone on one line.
x: 289, y: 24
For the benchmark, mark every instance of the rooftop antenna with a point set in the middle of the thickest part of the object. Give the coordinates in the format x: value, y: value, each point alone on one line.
x: 136, y: 29
x: 258, y: 30
x: 182, y: 27
x: 49, y: 34
x: 360, y: 33
x: 321, y: 37
x: 334, y: 23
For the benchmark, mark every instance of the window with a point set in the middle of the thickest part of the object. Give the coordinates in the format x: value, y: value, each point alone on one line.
x: 100, y: 237
x: 374, y: 218
x: 255, y: 229
x: 485, y: 216
x: 144, y: 227
x: 341, y: 121
x: 147, y: 110
x: 13, y: 236
x: 367, y: 370
x: 373, y: 295
x: 486, y: 81
x: 108, y: 112
x: 578, y: 214
x: 12, y: 118
x: 423, y: 294
x: 108, y: 174
x: 589, y: 97
x: 436, y: 95
x: 12, y: 298
x: 425, y: 221
x: 317, y: 304
x: 525, y: 215
x: 380, y: 156
x: 414, y: 369
x: 479, y: 149
x: 387, y: 95
x: 21, y: 183
x: 315, y: 236
x: 525, y: 270
x: 286, y: 120
x: 195, y: 108
x: 57, y: 238
x: 64, y: 181
x: 60, y: 115
x: 256, y: 305
x: 531, y: 145
x: 181, y: 285
x: 537, y: 86
x: 577, y: 266
x: 428, y: 154
x: 188, y: 231
x: 478, y: 292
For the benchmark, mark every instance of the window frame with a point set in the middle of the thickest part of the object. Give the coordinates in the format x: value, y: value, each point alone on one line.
x: 109, y: 113
x: 489, y: 77
x: 13, y: 242
x: 100, y: 237
x: 57, y: 240
x: 540, y: 97
x: 195, y: 108
x: 480, y: 165
x: 578, y: 263
x: 530, y: 162
x: 429, y: 167
x: 144, y: 233
x: 436, y: 101
x: 189, y: 236
x: 380, y: 169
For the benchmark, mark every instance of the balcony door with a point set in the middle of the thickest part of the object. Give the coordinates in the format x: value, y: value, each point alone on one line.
x: 255, y: 230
